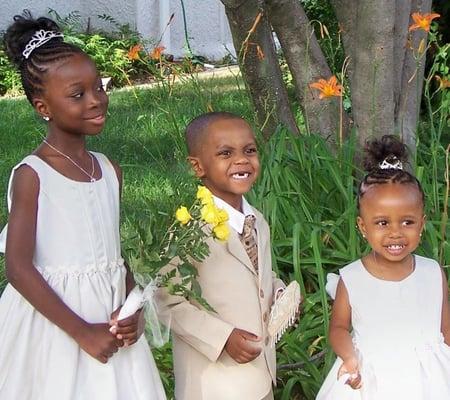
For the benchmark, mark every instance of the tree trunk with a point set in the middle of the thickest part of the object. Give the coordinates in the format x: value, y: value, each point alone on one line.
x: 345, y: 11
x: 385, y: 70
x: 373, y: 76
x: 307, y: 63
x: 411, y: 81
x: 259, y: 65
x: 408, y: 68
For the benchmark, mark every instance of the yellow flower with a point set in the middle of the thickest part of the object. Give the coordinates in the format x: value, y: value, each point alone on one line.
x: 210, y: 214
x: 221, y: 231
x: 204, y: 195
x: 182, y: 215
x: 133, y: 53
x: 422, y: 21
x: 328, y: 88
x: 222, y: 215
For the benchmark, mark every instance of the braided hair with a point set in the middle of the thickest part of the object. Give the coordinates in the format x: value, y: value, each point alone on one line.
x: 381, y: 157
x: 33, y: 69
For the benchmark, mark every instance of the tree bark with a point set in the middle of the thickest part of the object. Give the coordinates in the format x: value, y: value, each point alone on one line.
x: 307, y: 63
x: 411, y: 79
x: 345, y: 11
x: 259, y: 65
x: 373, y: 77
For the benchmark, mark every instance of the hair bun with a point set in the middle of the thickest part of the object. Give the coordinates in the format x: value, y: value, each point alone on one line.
x: 388, y: 147
x: 19, y: 33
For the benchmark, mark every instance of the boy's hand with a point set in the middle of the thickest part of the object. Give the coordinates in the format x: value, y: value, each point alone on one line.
x: 241, y: 346
x: 128, y: 329
x: 98, y: 342
x: 351, y: 367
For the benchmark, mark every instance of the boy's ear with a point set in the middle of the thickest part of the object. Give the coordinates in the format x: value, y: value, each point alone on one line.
x: 41, y: 107
x: 196, y: 166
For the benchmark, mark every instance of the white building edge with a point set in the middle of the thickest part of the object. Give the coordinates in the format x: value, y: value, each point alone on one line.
x: 206, y: 24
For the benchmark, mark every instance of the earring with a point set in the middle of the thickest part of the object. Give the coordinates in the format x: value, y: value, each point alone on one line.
x: 45, y: 118
x: 362, y: 234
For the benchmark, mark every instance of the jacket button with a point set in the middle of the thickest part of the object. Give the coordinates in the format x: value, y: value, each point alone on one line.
x: 261, y: 293
x: 267, y: 340
x: 265, y: 316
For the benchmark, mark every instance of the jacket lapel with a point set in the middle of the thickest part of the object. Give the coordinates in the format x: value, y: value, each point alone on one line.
x: 236, y: 248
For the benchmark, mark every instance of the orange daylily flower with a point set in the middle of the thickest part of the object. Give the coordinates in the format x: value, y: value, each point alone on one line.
x: 422, y: 21
x: 328, y: 88
x: 157, y: 52
x: 444, y: 83
x: 133, y: 53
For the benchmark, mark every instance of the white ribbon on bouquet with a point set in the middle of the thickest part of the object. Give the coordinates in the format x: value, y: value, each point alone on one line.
x: 159, y: 331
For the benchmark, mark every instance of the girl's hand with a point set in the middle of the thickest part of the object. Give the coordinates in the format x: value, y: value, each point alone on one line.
x: 99, y: 342
x: 128, y: 329
x: 351, y: 367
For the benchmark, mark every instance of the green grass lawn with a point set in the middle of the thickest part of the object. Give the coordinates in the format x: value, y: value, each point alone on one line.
x: 144, y: 133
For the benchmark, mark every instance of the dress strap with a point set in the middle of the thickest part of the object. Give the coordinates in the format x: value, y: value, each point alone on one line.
x: 108, y: 170
x: 33, y: 162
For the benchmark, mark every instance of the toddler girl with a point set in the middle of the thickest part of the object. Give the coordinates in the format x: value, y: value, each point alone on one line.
x: 394, y: 302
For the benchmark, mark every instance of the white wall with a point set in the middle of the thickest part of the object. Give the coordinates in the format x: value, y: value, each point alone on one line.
x: 207, y: 26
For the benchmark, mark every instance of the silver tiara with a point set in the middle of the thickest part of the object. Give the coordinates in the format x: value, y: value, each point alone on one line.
x: 395, y: 164
x: 38, y: 39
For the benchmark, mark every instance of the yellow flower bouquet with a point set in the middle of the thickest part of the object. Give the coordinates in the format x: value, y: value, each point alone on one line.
x: 183, y: 242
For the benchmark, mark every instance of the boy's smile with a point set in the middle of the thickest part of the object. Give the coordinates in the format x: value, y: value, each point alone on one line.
x: 227, y: 160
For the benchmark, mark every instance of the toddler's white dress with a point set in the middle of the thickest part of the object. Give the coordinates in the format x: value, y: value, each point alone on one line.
x: 397, y: 334
x: 78, y: 253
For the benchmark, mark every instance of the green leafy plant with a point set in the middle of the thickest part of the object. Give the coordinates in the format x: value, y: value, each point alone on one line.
x: 183, y: 242
x: 10, y: 83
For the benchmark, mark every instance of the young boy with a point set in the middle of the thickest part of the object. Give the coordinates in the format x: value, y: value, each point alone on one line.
x: 226, y: 355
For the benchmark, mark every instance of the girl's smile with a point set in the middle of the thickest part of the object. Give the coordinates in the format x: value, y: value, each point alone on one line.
x: 395, y: 249
x: 98, y: 120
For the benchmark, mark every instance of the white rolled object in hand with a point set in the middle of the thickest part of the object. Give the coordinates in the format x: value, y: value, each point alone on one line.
x: 158, y: 332
x: 134, y: 301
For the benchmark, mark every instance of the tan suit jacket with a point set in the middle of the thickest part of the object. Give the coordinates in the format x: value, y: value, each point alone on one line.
x: 242, y: 299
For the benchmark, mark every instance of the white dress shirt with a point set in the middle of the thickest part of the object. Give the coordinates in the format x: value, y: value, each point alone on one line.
x: 236, y: 218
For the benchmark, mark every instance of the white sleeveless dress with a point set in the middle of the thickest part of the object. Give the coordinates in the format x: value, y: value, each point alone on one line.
x: 397, y: 334
x: 78, y: 253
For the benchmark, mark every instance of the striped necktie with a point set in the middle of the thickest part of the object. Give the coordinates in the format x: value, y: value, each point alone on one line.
x: 249, y: 241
